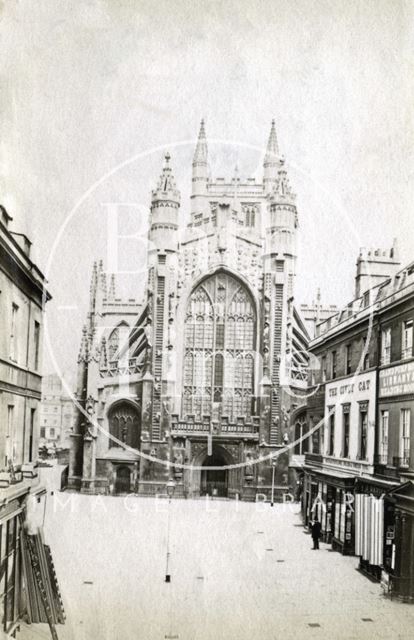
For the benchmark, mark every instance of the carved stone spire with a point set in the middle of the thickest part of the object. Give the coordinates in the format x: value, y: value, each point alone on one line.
x: 111, y: 290
x: 166, y: 188
x: 272, y: 150
x: 93, y: 286
x: 200, y: 175
x: 102, y: 278
x: 282, y: 190
x: 271, y: 160
x: 84, y: 346
x: 201, y: 150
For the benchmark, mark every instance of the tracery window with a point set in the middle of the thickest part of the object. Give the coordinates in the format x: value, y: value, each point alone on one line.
x: 113, y: 344
x: 219, y: 335
x: 124, y: 424
x: 116, y: 339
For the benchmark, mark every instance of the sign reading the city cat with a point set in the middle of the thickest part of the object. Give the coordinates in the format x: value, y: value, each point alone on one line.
x: 397, y: 381
x: 353, y: 389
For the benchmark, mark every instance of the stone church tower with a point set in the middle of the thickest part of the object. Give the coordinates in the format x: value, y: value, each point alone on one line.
x: 198, y: 381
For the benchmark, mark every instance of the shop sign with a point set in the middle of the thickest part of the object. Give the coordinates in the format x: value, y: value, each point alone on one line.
x: 397, y: 381
x: 353, y: 388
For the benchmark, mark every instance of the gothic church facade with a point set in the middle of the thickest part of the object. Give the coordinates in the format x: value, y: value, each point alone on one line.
x: 200, y: 381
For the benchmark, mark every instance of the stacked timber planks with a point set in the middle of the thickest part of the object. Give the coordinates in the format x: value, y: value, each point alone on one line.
x: 44, y: 602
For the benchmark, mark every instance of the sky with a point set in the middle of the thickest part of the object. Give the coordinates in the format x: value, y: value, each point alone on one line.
x: 94, y: 92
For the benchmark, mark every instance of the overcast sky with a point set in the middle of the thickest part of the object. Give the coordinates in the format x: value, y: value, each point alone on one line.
x: 86, y: 86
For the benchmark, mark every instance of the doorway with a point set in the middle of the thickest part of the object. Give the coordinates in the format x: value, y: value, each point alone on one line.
x: 214, y: 482
x: 123, y: 480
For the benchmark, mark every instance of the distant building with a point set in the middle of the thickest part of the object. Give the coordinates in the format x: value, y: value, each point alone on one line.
x: 22, y: 300
x: 57, y: 414
x: 316, y: 312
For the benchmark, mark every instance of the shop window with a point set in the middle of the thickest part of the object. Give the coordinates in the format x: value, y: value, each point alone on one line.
x: 405, y: 417
x: 407, y: 340
x: 386, y: 346
x: 345, y: 433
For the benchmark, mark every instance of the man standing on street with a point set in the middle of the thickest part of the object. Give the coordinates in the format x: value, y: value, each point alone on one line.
x: 316, y: 533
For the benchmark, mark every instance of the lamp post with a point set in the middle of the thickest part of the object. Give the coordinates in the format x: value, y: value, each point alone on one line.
x: 273, y: 482
x: 170, y: 486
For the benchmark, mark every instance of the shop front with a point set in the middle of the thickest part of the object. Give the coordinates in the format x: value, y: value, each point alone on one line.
x: 330, y: 498
x: 398, y: 572
x: 370, y: 524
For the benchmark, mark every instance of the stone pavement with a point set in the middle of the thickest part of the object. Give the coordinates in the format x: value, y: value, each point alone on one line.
x: 238, y: 571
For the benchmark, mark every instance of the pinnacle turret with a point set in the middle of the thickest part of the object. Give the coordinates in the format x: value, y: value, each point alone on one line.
x: 201, y: 150
x: 272, y: 149
x: 271, y: 160
x: 111, y: 290
x: 84, y: 345
x: 281, y: 188
x: 166, y: 188
x: 200, y: 175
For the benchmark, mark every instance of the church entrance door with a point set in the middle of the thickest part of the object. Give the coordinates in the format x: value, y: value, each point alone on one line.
x: 214, y: 482
x: 123, y: 480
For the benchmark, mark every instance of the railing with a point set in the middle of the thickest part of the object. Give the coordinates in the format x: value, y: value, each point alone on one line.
x: 222, y: 427
x: 119, y: 368
x: 298, y: 373
x: 402, y: 462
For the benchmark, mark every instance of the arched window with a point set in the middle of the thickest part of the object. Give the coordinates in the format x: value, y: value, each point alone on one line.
x: 219, y: 349
x: 249, y: 215
x: 125, y: 425
x: 113, y: 345
x: 116, y: 340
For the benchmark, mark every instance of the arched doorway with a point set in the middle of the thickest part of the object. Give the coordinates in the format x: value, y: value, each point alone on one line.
x: 123, y: 480
x: 214, y: 482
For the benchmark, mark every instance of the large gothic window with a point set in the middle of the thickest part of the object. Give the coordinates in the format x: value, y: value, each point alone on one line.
x: 124, y: 424
x: 219, y: 350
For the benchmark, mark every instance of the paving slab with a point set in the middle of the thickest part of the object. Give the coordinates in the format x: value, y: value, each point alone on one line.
x: 238, y: 571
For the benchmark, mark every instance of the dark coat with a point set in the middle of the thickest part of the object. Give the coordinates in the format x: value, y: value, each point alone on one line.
x: 316, y: 530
